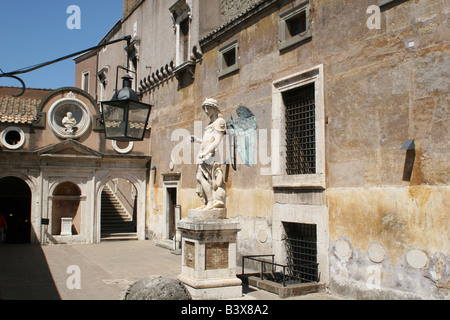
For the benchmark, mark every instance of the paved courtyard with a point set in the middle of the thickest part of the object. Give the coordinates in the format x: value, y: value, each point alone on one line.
x: 30, y: 272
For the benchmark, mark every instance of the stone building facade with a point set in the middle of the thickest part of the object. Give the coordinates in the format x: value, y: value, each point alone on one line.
x: 337, y: 87
x: 55, y: 166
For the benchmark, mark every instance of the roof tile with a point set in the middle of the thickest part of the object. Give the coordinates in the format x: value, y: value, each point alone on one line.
x: 18, y: 110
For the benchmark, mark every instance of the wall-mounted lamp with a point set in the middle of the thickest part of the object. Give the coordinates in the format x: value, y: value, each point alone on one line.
x: 410, y: 147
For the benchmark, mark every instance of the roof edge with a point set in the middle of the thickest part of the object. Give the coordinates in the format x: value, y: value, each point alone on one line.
x: 250, y: 12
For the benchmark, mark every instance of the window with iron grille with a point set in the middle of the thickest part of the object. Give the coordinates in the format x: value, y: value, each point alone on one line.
x: 300, y: 112
x: 301, y: 251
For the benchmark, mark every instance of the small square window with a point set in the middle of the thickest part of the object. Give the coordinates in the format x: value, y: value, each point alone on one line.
x: 228, y: 58
x: 294, y: 25
x: 297, y: 24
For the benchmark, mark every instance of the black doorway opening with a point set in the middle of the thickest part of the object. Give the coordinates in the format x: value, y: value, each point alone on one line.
x: 15, y: 206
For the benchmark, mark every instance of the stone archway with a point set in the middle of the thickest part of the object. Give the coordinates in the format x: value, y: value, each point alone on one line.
x: 119, y: 210
x: 15, y: 205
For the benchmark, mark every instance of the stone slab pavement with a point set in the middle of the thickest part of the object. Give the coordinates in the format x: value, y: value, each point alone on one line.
x: 32, y: 272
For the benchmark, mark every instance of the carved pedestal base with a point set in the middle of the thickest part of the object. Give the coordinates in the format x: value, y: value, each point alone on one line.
x: 209, y: 257
x: 207, y: 214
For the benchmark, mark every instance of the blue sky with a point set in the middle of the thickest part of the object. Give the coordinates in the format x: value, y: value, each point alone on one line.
x: 35, y: 31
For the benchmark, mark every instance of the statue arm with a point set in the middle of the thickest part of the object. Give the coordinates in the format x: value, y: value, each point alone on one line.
x: 196, y: 140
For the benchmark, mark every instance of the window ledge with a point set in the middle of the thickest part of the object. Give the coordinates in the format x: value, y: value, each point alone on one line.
x: 228, y: 70
x: 307, y: 181
x: 188, y: 66
x: 294, y: 40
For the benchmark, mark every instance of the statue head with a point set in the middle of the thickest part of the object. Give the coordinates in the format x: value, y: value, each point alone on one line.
x: 211, y: 103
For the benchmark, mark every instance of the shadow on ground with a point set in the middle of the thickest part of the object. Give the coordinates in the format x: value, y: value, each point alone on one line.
x: 25, y: 274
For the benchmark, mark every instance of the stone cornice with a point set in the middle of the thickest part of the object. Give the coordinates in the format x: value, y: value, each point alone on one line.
x: 250, y: 12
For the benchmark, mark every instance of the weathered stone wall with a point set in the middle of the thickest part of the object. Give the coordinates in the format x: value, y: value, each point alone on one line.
x: 393, y: 92
x: 385, y: 231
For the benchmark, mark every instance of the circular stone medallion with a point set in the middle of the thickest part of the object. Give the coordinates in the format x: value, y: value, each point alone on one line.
x: 376, y: 253
x: 342, y: 248
x: 417, y: 259
x: 69, y: 118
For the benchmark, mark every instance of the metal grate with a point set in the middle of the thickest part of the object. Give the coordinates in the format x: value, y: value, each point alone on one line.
x: 301, y: 248
x: 300, y: 130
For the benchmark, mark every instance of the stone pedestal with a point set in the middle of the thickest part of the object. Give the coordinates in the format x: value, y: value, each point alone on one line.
x: 209, y: 255
x: 66, y: 226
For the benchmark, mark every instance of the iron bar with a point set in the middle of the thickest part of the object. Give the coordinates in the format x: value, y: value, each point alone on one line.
x: 300, y: 130
x: 301, y: 248
x: 273, y: 264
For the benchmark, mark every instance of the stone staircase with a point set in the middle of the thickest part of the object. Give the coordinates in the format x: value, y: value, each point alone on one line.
x: 116, y: 223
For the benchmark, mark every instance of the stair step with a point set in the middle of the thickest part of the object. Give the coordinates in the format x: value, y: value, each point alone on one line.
x: 118, y: 236
x: 111, y: 204
x: 114, y: 227
x: 112, y: 210
x: 112, y: 214
x: 115, y: 208
x: 116, y: 223
x: 116, y: 219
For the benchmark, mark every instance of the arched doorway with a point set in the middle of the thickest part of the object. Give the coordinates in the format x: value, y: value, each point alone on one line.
x: 66, y: 204
x: 15, y: 206
x: 118, y: 210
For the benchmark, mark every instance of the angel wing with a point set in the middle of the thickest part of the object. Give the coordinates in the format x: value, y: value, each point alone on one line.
x: 242, y: 133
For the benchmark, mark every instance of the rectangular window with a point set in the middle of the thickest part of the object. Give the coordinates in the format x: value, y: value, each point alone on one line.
x: 300, y: 130
x: 294, y: 25
x: 102, y: 83
x: 228, y: 58
x: 297, y: 24
x: 298, y: 159
x: 103, y: 90
x: 184, y: 39
x: 85, y: 84
x: 182, y: 17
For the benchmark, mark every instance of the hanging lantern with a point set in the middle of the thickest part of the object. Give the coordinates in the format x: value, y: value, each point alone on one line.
x: 125, y: 118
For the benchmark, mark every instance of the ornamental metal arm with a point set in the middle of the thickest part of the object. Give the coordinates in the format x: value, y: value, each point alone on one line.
x: 14, y: 74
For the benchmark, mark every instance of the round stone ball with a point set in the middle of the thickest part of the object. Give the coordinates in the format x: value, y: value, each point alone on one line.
x: 157, y: 288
